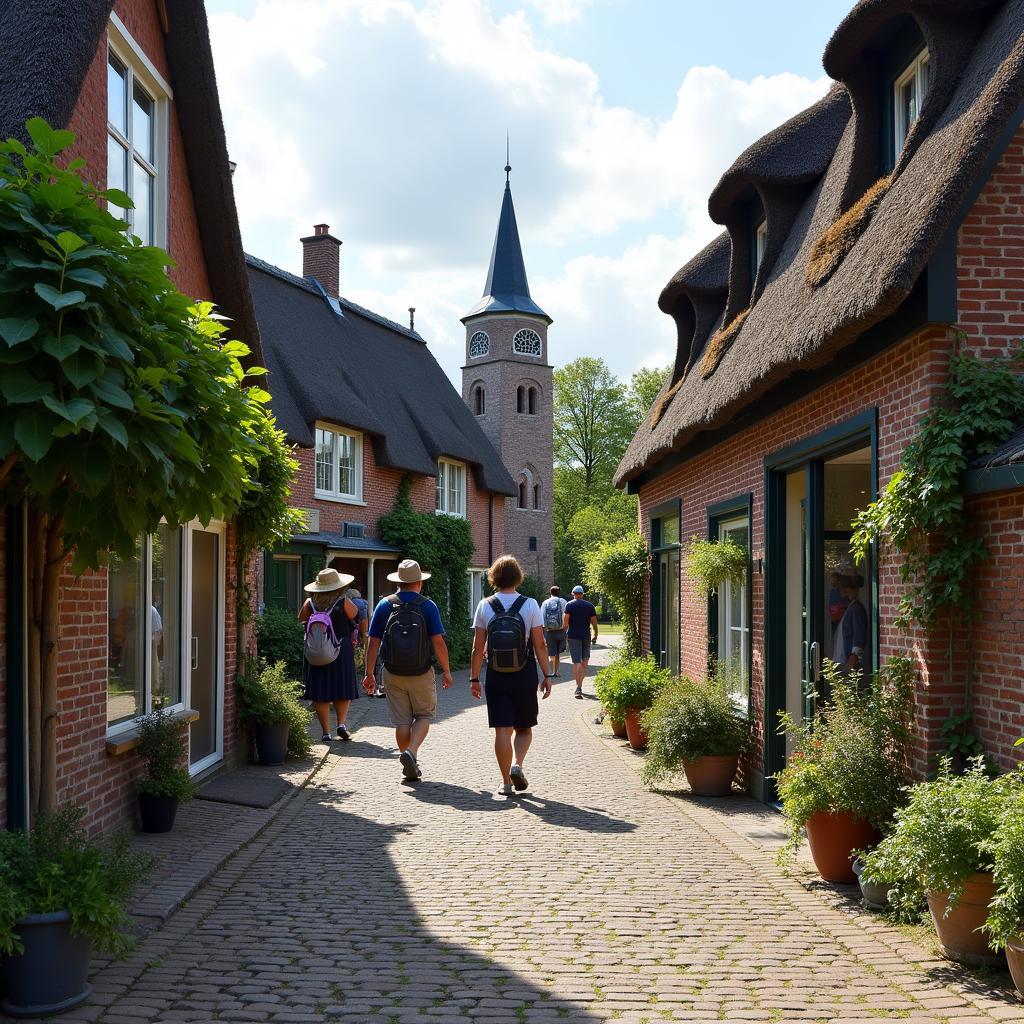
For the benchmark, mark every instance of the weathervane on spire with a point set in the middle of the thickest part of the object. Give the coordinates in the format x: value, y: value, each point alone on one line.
x: 508, y: 165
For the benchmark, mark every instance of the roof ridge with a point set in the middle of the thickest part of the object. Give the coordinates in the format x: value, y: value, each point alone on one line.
x: 370, y: 315
x: 284, y: 275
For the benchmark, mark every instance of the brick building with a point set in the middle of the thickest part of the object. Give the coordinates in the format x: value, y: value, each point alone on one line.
x: 864, y: 239
x: 366, y: 404
x: 134, y: 81
x: 507, y: 384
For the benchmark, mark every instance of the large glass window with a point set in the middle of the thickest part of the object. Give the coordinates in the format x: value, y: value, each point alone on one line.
x: 450, y: 488
x: 339, y: 464
x: 909, y: 93
x: 665, y: 612
x: 733, y: 640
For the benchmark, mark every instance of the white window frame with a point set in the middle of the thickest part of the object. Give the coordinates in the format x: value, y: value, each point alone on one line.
x: 725, y: 624
x: 760, y: 242
x: 334, y: 493
x: 521, y: 334
x: 442, y: 488
x: 140, y: 68
x: 915, y: 72
x: 476, y: 590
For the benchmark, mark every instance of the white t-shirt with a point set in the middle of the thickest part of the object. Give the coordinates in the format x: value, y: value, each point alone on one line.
x: 529, y: 613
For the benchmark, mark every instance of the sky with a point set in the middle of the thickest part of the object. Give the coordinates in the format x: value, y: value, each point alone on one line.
x: 387, y: 120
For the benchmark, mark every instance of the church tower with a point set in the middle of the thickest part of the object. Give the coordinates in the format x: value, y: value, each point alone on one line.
x: 507, y: 384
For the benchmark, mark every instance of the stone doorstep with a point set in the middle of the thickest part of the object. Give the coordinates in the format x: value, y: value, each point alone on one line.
x: 207, y: 834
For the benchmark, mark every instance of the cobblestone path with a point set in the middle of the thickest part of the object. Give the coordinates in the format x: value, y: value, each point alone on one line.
x: 587, y: 899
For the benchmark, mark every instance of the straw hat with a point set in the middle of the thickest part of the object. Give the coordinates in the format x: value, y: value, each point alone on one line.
x: 328, y: 580
x: 409, y: 571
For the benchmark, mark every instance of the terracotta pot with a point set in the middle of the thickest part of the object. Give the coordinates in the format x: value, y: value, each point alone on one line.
x: 711, y: 776
x: 832, y: 836
x: 1015, y: 958
x: 960, y: 935
x: 618, y: 728
x: 635, y: 731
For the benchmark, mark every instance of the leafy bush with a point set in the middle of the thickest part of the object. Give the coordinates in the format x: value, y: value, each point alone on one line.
x: 709, y: 563
x: 1006, y: 915
x: 690, y: 720
x: 533, y: 587
x: 630, y: 684
x: 55, y: 867
x: 944, y: 834
x: 852, y: 755
x: 619, y: 570
x: 268, y: 697
x: 162, y: 748
x: 279, y: 637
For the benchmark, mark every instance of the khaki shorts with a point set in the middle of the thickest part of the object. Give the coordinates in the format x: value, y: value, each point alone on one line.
x: 410, y: 697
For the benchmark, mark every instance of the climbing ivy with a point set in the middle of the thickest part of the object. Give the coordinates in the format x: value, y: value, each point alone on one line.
x: 443, y: 545
x: 922, y: 511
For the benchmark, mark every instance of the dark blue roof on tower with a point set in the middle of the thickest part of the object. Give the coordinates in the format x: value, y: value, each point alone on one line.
x: 506, y: 290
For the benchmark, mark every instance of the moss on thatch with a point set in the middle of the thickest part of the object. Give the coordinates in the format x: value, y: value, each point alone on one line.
x: 661, y: 405
x: 836, y: 241
x: 719, y: 343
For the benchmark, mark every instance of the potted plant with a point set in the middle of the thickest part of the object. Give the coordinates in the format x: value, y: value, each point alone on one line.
x: 165, y: 782
x: 636, y: 682
x: 61, y: 896
x: 1005, y: 923
x: 270, y: 702
x: 606, y: 686
x: 695, y: 727
x: 940, y: 848
x: 709, y: 563
x: 845, y: 775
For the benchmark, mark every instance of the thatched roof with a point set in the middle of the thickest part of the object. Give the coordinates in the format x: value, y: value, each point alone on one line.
x: 794, y: 325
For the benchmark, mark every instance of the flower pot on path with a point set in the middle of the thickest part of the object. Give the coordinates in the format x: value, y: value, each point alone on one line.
x: 271, y: 742
x: 832, y: 837
x: 711, y: 775
x: 618, y: 728
x: 1015, y: 958
x: 635, y: 732
x: 960, y: 937
x: 157, y: 812
x: 50, y: 976
x: 874, y: 894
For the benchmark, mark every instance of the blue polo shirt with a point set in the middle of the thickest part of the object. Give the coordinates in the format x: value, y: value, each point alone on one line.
x: 382, y: 612
x: 580, y: 613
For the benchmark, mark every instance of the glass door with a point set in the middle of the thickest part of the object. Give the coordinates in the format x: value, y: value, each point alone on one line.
x: 205, y: 652
x: 665, y: 617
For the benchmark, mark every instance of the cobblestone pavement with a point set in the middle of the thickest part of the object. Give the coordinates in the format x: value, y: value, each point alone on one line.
x: 587, y: 899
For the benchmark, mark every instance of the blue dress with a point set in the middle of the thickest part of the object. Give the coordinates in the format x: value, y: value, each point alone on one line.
x: 337, y: 681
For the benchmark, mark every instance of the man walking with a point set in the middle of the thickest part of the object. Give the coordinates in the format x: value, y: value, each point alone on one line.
x: 406, y: 630
x: 580, y: 621
x: 553, y: 613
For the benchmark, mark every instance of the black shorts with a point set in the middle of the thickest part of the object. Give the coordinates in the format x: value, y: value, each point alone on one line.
x: 511, y: 699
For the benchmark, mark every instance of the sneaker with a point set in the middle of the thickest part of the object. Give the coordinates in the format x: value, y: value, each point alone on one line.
x: 410, y: 769
x: 579, y: 693
x: 326, y: 738
x: 380, y: 694
x: 518, y: 778
x: 343, y: 733
x: 506, y: 789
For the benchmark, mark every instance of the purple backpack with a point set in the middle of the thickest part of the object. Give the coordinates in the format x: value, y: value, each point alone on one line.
x: 321, y: 646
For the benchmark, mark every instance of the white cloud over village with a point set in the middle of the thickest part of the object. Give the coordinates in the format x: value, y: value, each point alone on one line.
x: 387, y: 119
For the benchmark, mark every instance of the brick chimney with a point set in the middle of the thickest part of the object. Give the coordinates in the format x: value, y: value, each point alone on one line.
x: 321, y: 258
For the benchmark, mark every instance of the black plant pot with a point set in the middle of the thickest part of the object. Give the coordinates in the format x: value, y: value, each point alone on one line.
x: 50, y: 976
x: 271, y: 742
x: 157, y: 812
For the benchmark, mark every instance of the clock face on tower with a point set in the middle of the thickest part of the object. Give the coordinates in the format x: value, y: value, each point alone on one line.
x: 479, y: 345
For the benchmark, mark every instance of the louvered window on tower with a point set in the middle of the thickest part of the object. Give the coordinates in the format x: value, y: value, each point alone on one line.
x: 479, y: 401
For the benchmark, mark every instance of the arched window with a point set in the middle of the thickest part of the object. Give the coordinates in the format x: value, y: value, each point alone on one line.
x: 526, y: 343
x: 479, y: 400
x: 522, y: 494
x: 531, y: 404
x: 520, y: 399
x: 479, y: 345
x: 536, y: 495
x: 527, y: 492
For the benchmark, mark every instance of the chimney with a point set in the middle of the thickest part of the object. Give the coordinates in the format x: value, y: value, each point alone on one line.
x: 412, y: 318
x: 321, y: 258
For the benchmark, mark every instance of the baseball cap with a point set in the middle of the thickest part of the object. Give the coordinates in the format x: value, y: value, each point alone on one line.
x: 578, y: 590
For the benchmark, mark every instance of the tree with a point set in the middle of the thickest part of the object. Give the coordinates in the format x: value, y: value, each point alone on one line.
x: 644, y: 387
x: 619, y: 569
x: 605, y: 520
x: 120, y: 404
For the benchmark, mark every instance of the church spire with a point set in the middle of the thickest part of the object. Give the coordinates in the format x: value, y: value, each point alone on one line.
x: 506, y: 289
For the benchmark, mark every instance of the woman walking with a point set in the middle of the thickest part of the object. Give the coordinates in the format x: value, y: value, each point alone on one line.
x: 511, y: 627
x: 334, y: 683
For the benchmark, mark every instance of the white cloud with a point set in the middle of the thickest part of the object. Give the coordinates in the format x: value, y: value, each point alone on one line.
x: 387, y: 119
x: 560, y: 12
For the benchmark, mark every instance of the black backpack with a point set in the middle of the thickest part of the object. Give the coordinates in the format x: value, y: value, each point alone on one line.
x: 405, y: 647
x: 506, y: 637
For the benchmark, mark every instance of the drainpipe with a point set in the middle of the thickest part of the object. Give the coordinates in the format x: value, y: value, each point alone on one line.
x: 371, y: 596
x: 17, y: 683
x: 490, y: 527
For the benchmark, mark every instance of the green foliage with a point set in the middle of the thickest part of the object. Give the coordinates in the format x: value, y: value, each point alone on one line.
x: 630, y: 684
x: 535, y: 588
x: 280, y: 637
x: 1006, y: 914
x: 162, y: 748
x: 961, y: 743
x: 852, y: 755
x: 709, y: 563
x: 266, y: 696
x: 644, y: 387
x: 619, y: 569
x: 120, y: 403
x: 921, y: 511
x: 56, y: 868
x: 689, y: 720
x: 944, y: 834
x: 443, y: 545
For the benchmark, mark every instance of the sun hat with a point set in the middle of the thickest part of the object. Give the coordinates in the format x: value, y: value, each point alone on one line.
x: 409, y: 571
x: 578, y: 590
x: 328, y: 580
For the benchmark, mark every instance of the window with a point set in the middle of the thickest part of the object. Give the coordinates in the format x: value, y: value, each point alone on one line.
x: 339, y: 464
x: 733, y: 639
x: 531, y: 401
x: 528, y: 490
x: 479, y: 400
x: 526, y: 400
x: 522, y: 494
x: 144, y: 628
x: 136, y: 130
x: 532, y: 543
x: 526, y: 343
x: 908, y: 96
x: 520, y: 399
x: 479, y: 345
x: 536, y: 495
x: 450, y: 491
x: 760, y: 238
x: 476, y: 589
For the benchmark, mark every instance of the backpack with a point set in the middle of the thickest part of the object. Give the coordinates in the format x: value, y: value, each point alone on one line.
x: 321, y: 646
x: 506, y: 637
x: 405, y: 647
x: 554, y: 621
